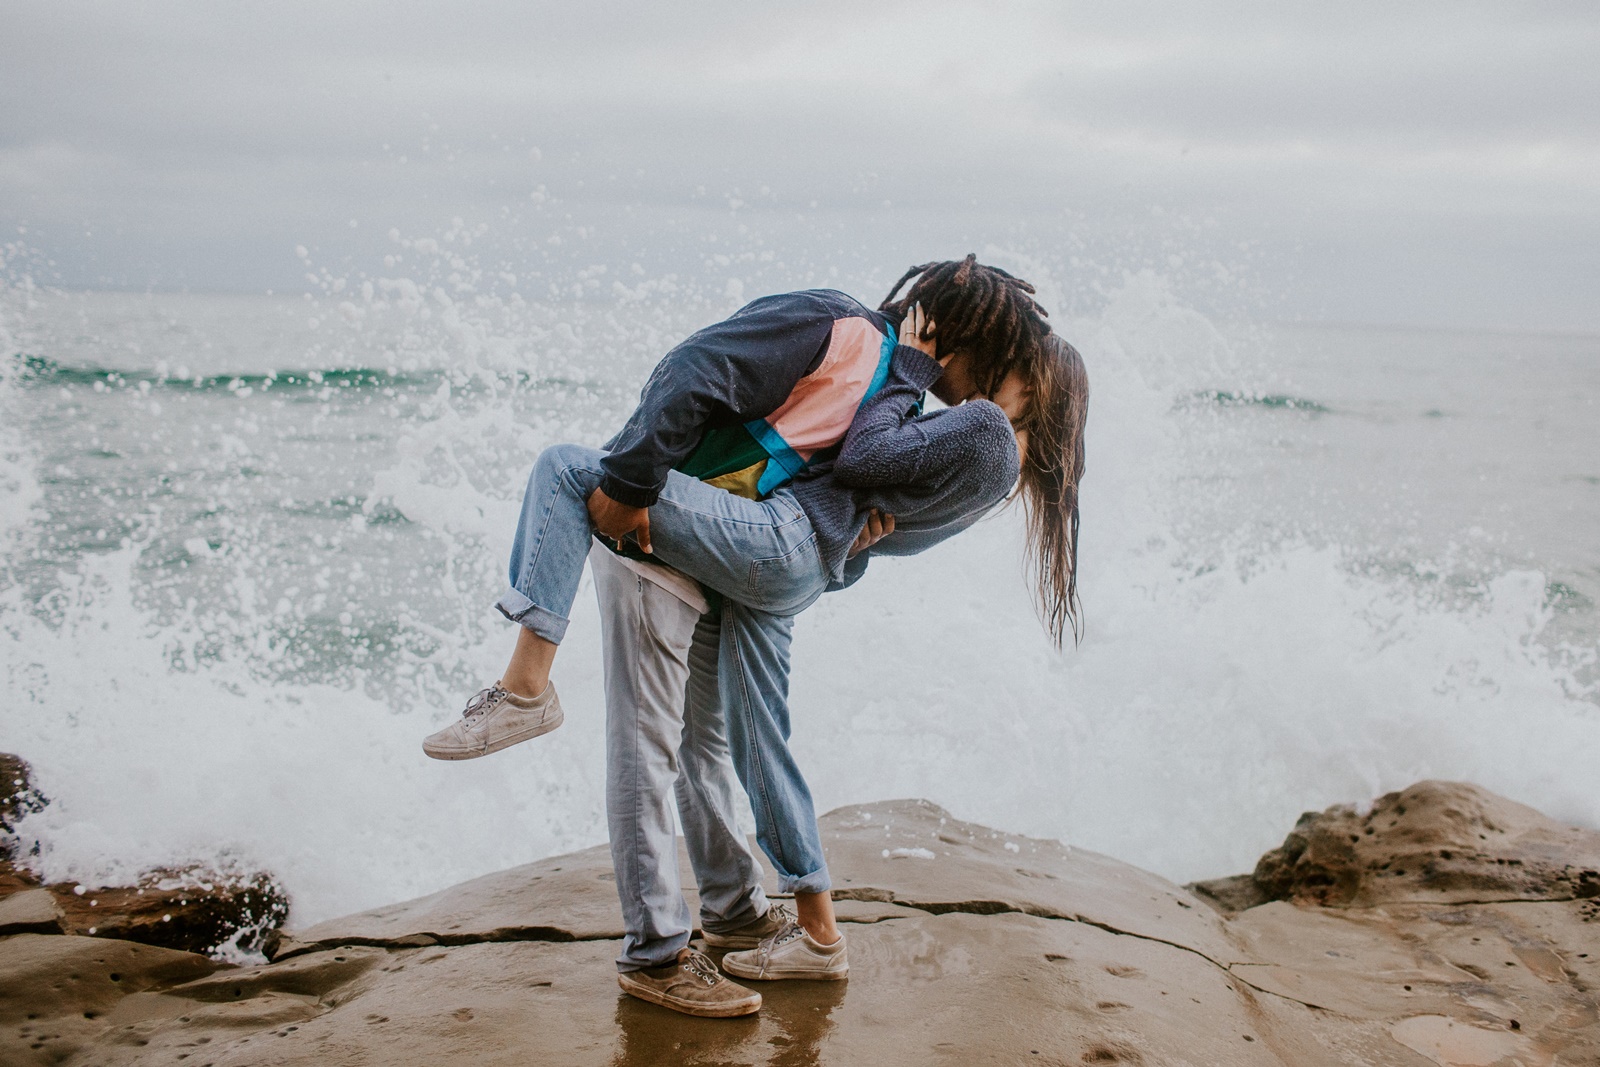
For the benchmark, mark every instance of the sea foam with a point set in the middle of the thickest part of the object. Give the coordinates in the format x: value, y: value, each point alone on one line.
x: 1218, y: 691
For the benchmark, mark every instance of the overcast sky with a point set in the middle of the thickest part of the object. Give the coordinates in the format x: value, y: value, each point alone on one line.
x: 1419, y: 162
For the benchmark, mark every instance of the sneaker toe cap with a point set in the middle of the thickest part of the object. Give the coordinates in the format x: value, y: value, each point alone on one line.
x: 451, y: 741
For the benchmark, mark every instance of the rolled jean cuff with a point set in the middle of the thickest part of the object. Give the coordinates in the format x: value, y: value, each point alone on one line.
x: 524, y: 612
x: 815, y: 882
x: 662, y: 952
x: 755, y: 905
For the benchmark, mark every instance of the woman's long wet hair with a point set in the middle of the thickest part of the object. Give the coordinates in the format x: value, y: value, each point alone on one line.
x: 992, y: 315
x: 1052, y: 467
x: 977, y: 309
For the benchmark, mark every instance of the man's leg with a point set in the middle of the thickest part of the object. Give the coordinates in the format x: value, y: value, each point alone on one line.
x: 646, y: 632
x: 709, y: 799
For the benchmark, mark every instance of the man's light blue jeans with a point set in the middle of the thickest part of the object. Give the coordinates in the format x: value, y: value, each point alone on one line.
x: 659, y: 745
x: 762, y: 556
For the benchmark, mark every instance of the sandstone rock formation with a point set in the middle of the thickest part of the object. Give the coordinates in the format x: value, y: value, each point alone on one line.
x: 189, y: 909
x: 1437, y: 841
x: 968, y: 945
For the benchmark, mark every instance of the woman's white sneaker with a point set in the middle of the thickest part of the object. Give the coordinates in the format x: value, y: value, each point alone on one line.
x: 495, y: 719
x: 790, y: 953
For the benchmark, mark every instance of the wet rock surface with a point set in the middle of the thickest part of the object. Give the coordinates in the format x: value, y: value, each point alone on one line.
x: 31, y: 911
x: 566, y: 898
x: 967, y: 945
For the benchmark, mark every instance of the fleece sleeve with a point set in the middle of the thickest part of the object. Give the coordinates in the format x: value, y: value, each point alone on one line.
x: 900, y: 543
x: 739, y: 369
x: 890, y: 445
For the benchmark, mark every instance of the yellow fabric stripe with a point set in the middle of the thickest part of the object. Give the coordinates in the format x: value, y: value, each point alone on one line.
x: 741, y: 483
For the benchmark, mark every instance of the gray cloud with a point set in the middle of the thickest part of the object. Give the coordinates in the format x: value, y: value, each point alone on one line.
x: 1435, y: 162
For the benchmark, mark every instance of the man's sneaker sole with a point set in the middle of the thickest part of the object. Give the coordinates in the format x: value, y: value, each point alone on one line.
x: 505, y: 742
x: 730, y: 1010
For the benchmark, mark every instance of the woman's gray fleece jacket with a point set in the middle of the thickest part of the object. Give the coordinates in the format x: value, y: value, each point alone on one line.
x: 936, y: 473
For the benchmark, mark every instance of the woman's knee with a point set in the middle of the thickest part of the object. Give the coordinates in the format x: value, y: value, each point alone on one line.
x: 556, y: 462
x: 559, y: 457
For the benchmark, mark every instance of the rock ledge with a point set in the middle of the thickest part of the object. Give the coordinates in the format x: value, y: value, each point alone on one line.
x: 1360, y: 941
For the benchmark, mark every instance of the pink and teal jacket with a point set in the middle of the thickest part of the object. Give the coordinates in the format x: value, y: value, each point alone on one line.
x: 753, y: 401
x: 812, y: 388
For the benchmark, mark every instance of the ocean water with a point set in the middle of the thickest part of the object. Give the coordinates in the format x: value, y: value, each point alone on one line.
x: 250, y: 544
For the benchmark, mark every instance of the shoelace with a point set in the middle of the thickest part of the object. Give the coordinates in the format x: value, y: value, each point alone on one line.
x: 788, y: 932
x: 480, y: 704
x: 702, y: 968
x: 780, y: 913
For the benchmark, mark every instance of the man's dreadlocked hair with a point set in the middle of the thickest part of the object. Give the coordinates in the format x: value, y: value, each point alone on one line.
x: 977, y: 309
x: 992, y: 316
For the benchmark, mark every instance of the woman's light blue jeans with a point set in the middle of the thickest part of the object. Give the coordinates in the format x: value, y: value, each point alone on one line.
x: 762, y: 556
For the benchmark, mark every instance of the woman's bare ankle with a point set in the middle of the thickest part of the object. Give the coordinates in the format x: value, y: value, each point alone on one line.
x: 814, y: 912
x: 525, y: 688
x: 528, y: 673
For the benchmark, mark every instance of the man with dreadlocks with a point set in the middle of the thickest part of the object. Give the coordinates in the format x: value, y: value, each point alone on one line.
x: 773, y: 451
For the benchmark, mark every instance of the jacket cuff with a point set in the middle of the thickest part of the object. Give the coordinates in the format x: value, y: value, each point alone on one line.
x: 630, y: 495
x: 919, y: 368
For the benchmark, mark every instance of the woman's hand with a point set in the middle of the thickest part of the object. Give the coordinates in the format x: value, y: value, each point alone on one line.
x: 616, y: 520
x: 912, y: 329
x: 877, y: 528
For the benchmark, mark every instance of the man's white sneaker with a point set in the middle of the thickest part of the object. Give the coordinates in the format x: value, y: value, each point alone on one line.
x: 790, y: 953
x: 495, y: 719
